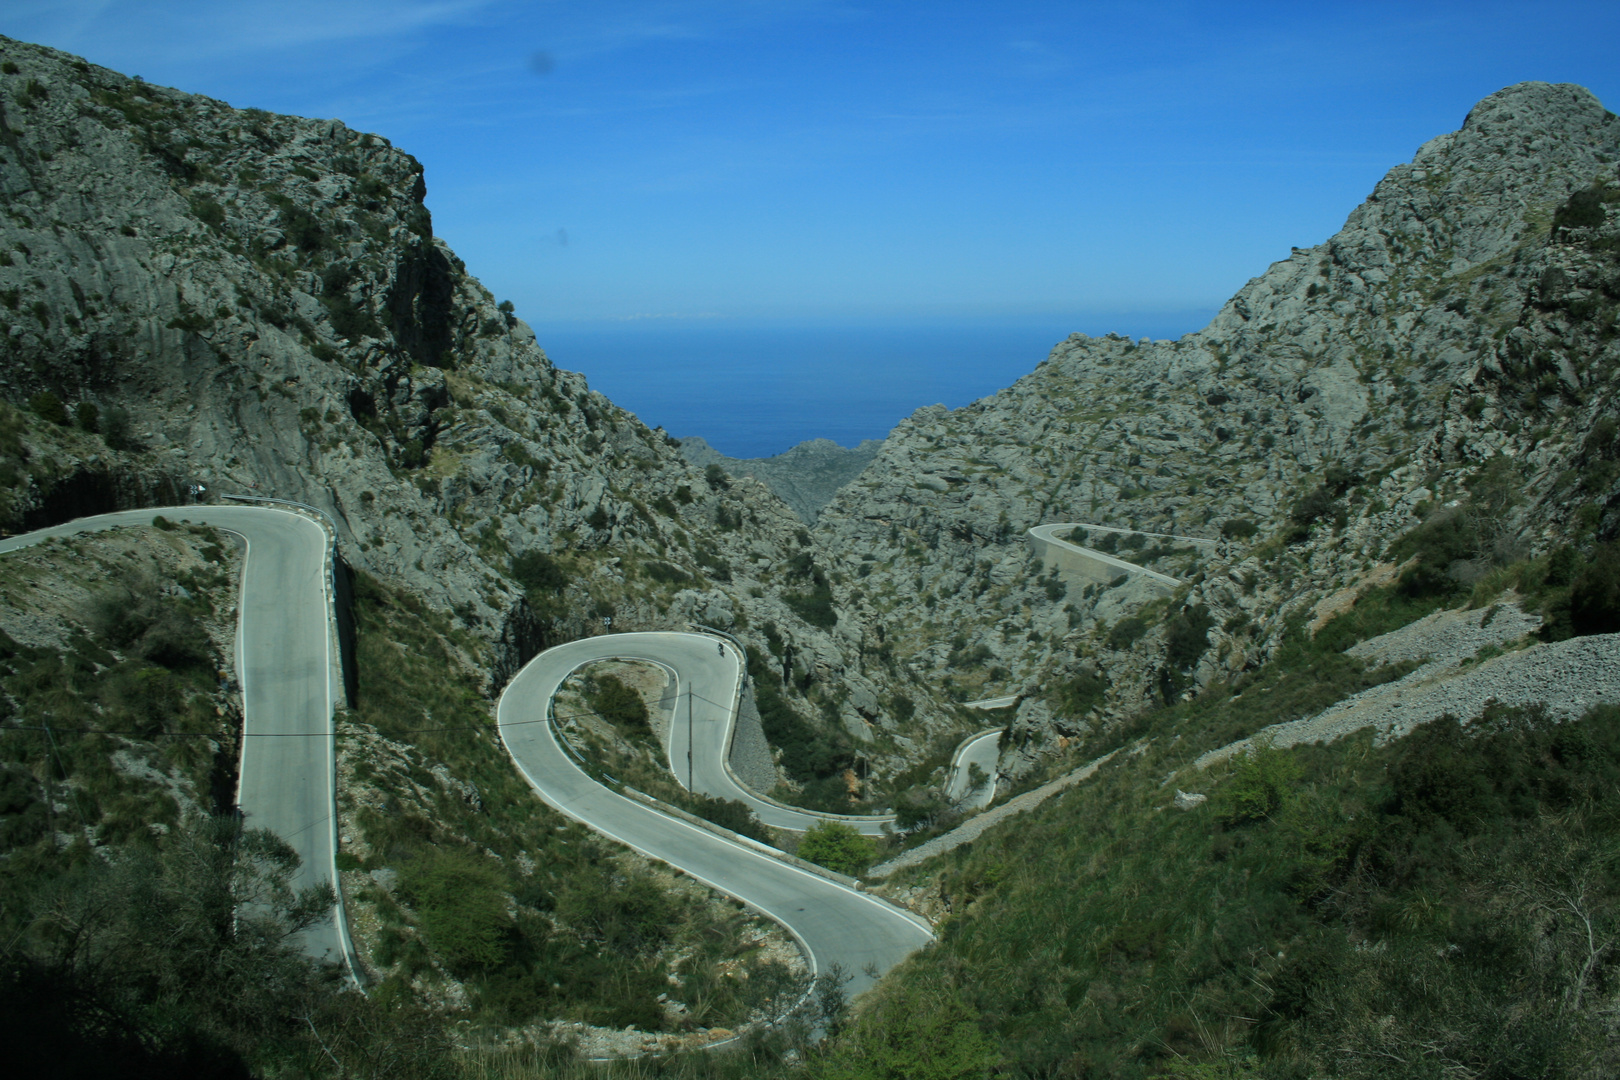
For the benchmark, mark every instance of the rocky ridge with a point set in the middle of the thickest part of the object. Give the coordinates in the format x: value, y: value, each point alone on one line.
x: 1465, y: 312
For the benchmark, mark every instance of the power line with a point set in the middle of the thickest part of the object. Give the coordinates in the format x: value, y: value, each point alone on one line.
x: 313, y: 734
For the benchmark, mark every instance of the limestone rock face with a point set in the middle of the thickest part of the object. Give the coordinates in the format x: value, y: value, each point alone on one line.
x: 1463, y: 311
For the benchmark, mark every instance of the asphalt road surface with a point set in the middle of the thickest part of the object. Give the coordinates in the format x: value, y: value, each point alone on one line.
x: 983, y: 751
x: 286, y: 669
x: 834, y: 923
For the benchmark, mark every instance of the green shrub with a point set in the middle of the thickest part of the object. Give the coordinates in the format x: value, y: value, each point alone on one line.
x: 1260, y: 786
x: 87, y: 416
x: 461, y: 901
x: 838, y: 847
x: 1594, y: 595
x: 302, y: 229
x: 665, y: 574
x: 1238, y: 528
x: 208, y: 212
x: 716, y: 477
x: 730, y: 814
x: 135, y: 617
x: 1583, y: 210
x: 912, y: 1032
x: 538, y: 572
x: 618, y: 704
x: 1079, y: 695
x: 808, y: 755
x: 47, y: 406
x: 968, y: 656
x: 628, y: 913
x: 814, y: 607
x: 1315, y: 505
x: 1187, y: 636
x: 1126, y: 632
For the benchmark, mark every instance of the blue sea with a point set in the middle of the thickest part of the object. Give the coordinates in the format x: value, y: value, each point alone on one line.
x: 758, y: 388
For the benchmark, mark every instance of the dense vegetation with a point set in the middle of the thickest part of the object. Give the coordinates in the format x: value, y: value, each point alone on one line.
x: 1339, y: 911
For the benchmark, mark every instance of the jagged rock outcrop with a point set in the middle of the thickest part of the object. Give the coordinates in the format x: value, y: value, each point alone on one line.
x: 806, y: 477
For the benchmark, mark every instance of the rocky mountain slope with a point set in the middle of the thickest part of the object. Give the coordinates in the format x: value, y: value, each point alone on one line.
x: 1464, y: 314
x: 195, y: 294
x: 806, y: 476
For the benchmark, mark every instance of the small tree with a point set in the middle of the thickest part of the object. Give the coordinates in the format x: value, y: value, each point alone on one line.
x: 1594, y: 598
x: 619, y: 704
x: 838, y: 847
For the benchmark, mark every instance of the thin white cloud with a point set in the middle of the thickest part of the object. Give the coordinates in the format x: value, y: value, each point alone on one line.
x: 190, y: 32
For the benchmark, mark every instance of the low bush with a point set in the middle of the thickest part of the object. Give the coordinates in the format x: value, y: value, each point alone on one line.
x: 1594, y: 594
x: 1079, y: 695
x: 665, y: 574
x: 618, y: 704
x: 47, y: 406
x: 1187, y: 637
x: 1260, y: 786
x: 539, y: 571
x: 730, y: 814
x: 814, y: 607
x: 460, y: 898
x: 838, y: 847
x: 1127, y: 632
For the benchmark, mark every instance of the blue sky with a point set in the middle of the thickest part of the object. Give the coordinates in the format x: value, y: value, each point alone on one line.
x: 835, y: 161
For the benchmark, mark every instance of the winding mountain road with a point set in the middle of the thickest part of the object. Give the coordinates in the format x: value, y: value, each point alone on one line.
x: 286, y: 665
x: 285, y: 659
x: 834, y: 923
x: 983, y: 750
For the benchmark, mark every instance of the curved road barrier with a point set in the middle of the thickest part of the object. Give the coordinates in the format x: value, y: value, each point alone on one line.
x: 834, y: 924
x: 286, y: 666
x: 1094, y: 565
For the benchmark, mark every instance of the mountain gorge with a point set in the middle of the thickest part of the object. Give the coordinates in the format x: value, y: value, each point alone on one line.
x: 1460, y: 315
x: 1417, y: 415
